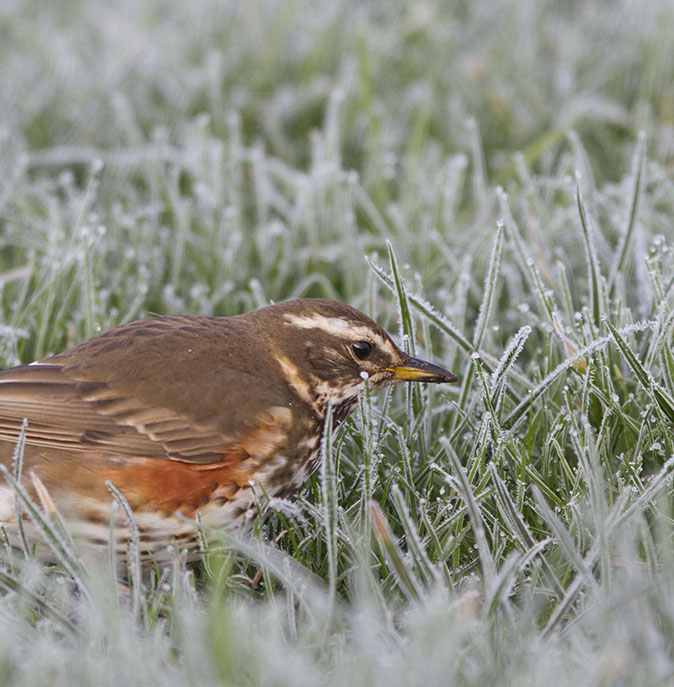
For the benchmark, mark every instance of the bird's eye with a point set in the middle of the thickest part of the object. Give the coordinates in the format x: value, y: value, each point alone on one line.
x: 362, y: 349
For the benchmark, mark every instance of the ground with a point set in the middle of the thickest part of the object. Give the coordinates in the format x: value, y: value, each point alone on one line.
x: 492, y: 181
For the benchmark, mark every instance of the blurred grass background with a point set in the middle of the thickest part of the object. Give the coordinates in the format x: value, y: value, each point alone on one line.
x: 493, y: 180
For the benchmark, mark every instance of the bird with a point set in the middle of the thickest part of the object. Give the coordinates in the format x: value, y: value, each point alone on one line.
x: 189, y: 417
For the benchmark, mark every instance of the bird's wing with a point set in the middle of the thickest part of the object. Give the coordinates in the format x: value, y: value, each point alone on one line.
x: 179, y: 406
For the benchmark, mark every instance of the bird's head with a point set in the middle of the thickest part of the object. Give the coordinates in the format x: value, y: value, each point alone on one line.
x: 327, y: 349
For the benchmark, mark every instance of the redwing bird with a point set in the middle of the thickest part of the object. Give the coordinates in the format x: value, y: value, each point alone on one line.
x: 186, y: 414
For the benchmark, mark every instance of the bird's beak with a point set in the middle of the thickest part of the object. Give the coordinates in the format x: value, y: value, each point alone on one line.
x: 415, y: 370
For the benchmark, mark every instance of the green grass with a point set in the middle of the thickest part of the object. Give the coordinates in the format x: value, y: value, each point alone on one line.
x: 492, y: 181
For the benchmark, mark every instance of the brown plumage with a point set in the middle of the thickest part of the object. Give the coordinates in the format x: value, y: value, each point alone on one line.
x: 184, y: 414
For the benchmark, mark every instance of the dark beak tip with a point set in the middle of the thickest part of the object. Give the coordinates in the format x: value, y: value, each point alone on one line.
x: 434, y: 374
x: 447, y: 378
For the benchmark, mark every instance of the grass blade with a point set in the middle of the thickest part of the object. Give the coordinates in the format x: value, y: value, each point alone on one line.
x: 626, y: 238
x: 329, y: 497
x: 460, y: 479
x: 133, y: 558
x: 405, y: 577
x: 592, y: 260
x: 660, y: 397
x: 489, y: 291
x: 50, y: 532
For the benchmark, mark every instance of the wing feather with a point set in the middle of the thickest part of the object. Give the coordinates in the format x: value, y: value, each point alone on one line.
x: 72, y: 401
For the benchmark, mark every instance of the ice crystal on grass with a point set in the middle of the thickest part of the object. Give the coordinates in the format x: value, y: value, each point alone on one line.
x: 514, y: 528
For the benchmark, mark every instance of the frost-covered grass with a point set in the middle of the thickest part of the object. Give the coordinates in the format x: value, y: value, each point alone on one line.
x: 475, y: 178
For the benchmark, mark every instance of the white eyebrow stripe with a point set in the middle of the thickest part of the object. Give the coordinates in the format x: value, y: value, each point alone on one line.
x: 335, y: 326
